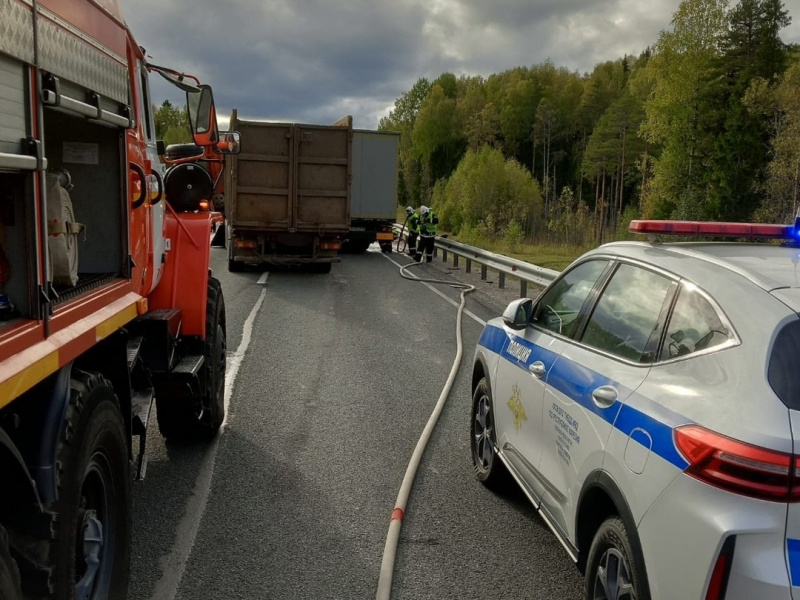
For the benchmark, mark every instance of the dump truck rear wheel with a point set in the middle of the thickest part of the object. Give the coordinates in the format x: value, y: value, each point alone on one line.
x: 218, y: 241
x: 235, y: 267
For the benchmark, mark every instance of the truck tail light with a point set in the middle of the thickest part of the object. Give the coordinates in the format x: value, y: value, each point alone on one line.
x: 722, y: 569
x: 240, y: 243
x: 738, y: 467
x: 330, y: 246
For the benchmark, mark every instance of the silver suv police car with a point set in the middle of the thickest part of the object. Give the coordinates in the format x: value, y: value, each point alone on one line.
x: 648, y: 404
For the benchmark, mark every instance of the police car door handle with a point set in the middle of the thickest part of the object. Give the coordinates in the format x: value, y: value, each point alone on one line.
x: 537, y: 369
x: 604, y: 396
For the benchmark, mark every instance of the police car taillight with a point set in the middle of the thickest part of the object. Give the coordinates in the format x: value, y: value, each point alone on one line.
x: 714, y: 229
x: 738, y: 467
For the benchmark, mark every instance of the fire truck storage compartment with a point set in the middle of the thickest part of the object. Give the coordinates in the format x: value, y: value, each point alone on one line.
x: 15, y: 235
x: 16, y: 190
x: 92, y: 154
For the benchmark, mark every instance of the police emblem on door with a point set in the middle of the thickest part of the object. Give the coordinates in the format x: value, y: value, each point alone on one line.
x: 516, y: 408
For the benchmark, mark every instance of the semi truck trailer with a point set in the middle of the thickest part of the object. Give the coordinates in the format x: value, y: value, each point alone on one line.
x: 373, y: 208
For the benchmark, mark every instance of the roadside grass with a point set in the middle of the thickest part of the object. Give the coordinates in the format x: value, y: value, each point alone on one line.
x: 549, y: 257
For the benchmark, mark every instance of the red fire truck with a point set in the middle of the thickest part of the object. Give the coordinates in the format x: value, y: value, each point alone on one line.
x: 107, y: 303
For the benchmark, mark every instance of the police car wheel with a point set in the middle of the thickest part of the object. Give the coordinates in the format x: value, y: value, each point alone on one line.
x: 489, y: 469
x: 613, y: 570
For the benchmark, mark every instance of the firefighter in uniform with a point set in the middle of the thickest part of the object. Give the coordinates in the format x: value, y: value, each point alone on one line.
x: 427, y: 233
x: 412, y: 219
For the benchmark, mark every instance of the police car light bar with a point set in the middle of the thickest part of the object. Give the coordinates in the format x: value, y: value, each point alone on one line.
x: 710, y: 228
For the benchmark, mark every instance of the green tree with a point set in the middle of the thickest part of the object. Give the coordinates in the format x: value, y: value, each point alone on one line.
x: 779, y: 104
x: 752, y: 48
x: 680, y: 67
x: 489, y: 193
x: 172, y: 124
x: 402, y: 119
x: 438, y: 135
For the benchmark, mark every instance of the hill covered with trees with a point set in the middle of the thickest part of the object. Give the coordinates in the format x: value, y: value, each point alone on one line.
x: 704, y: 124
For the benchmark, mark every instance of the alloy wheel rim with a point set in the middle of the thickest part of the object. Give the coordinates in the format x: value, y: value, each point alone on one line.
x: 483, y: 430
x: 613, y: 580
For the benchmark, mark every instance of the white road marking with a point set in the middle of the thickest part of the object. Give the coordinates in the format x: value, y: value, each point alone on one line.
x: 263, y: 279
x: 173, y: 565
x: 470, y: 314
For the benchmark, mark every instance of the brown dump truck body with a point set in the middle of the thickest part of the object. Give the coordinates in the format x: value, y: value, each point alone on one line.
x: 288, y: 192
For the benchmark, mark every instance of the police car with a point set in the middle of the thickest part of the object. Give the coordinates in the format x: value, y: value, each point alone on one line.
x: 648, y: 405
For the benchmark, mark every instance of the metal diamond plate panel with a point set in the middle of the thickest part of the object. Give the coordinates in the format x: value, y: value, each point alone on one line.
x: 16, y: 30
x: 64, y: 55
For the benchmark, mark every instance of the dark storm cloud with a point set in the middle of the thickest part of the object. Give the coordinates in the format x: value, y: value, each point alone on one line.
x: 304, y: 61
x: 317, y: 60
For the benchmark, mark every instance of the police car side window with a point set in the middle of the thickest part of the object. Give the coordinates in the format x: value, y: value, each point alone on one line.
x: 557, y: 310
x: 626, y: 315
x: 693, y: 326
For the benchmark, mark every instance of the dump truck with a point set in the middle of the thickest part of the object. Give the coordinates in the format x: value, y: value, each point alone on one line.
x: 373, y: 208
x: 287, y: 194
x: 107, y: 303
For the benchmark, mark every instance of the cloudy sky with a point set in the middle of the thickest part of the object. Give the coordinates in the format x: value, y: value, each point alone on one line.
x: 314, y: 61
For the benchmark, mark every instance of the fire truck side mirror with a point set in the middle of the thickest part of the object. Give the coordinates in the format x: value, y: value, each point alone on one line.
x: 229, y: 142
x: 161, y: 148
x: 202, y: 116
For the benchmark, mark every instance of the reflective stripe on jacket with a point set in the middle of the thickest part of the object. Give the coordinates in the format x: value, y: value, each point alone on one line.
x: 427, y: 224
x: 413, y: 223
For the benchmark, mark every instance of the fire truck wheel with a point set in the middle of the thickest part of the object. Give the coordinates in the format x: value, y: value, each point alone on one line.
x: 215, y: 353
x: 198, y: 419
x: 88, y: 551
x: 9, y: 573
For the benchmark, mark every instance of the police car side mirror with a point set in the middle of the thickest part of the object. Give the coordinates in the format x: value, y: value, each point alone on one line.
x: 518, y: 313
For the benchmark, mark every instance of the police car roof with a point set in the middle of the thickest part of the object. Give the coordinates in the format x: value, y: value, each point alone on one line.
x: 769, y: 266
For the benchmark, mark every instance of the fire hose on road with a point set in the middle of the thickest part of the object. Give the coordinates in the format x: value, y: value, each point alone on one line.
x: 396, y: 521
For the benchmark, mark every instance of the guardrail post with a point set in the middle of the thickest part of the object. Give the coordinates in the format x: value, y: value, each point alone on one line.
x: 469, y: 266
x: 444, y: 255
x: 523, y: 288
x: 502, y: 282
x: 455, y: 260
x: 483, y: 272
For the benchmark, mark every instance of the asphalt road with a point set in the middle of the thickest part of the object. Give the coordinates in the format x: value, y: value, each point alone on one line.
x: 293, y: 499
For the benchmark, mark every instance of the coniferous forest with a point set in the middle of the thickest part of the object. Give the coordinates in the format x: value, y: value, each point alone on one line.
x: 702, y: 125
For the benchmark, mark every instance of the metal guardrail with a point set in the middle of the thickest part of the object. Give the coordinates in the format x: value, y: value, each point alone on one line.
x: 525, y: 272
